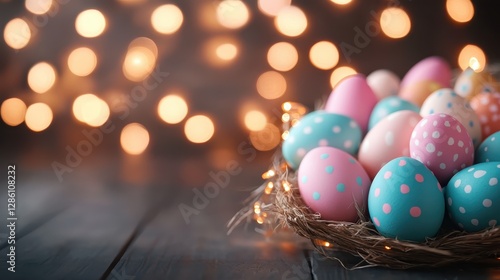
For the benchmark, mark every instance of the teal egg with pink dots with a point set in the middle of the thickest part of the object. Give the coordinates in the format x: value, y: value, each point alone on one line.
x: 320, y: 129
x: 489, y: 150
x: 473, y: 197
x: 406, y: 201
x: 333, y: 183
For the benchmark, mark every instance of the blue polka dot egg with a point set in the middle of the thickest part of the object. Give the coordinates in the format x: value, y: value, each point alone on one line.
x: 489, y: 150
x: 333, y: 183
x: 406, y: 201
x: 317, y: 129
x: 473, y: 197
x: 388, y: 106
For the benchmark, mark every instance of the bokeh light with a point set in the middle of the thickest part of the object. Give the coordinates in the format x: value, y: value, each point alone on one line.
x: 282, y: 56
x: 144, y: 42
x: 272, y: 7
x: 90, y: 109
x: 172, y: 109
x: 226, y: 51
x: 460, y: 10
x: 267, y: 138
x: 340, y: 73
x: 199, y: 129
x: 38, y: 117
x: 395, y: 23
x: 38, y: 7
x: 82, y: 61
x: 138, y: 64
x: 17, y: 33
x: 324, y: 55
x: 271, y: 85
x: 255, y: 120
x: 167, y: 19
x: 472, y: 56
x: 134, y: 138
x: 41, y: 77
x: 341, y: 2
x: 291, y: 21
x: 13, y: 111
x: 232, y: 14
x: 90, y: 23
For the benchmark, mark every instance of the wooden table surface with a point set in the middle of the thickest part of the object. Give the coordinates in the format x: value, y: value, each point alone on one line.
x: 100, y: 223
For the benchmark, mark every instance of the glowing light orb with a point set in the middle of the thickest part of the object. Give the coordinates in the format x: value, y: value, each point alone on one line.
x: 472, y: 56
x: 460, y: 10
x: 291, y: 21
x: 134, y: 138
x: 13, y: 111
x: 167, y: 19
x: 340, y: 73
x: 38, y: 117
x: 199, y: 129
x: 232, y: 14
x: 324, y: 55
x: 255, y: 120
x: 282, y: 56
x: 90, y: 23
x: 41, y: 77
x: 38, y: 7
x: 271, y: 85
x: 17, y: 34
x: 395, y: 23
x: 90, y: 109
x: 172, y: 109
x: 82, y: 61
x: 226, y: 51
x: 272, y: 7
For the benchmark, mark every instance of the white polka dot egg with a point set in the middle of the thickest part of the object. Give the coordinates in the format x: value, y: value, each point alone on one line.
x: 489, y: 150
x: 406, y: 201
x: 473, y: 197
x: 442, y: 144
x: 317, y: 129
x: 333, y: 183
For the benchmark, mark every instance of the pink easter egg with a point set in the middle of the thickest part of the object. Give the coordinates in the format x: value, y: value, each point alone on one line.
x: 442, y: 144
x: 353, y: 97
x: 389, y: 139
x: 333, y: 183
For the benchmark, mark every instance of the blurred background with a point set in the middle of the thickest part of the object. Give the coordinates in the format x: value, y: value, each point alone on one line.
x: 86, y: 83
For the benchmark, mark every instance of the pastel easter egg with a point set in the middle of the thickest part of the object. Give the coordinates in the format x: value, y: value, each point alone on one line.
x: 473, y: 197
x: 384, y: 83
x: 489, y: 150
x: 333, y: 183
x: 424, y: 78
x: 389, y: 139
x: 487, y: 107
x: 406, y: 201
x: 446, y: 101
x: 388, y: 106
x: 353, y: 97
x: 442, y: 144
x: 320, y: 128
x: 471, y: 83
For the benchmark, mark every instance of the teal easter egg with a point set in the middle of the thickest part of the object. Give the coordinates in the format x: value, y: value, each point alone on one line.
x: 388, y: 106
x: 318, y: 129
x: 489, y: 150
x: 473, y: 197
x: 406, y: 201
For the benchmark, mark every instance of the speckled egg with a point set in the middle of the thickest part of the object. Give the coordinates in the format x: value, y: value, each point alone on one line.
x: 332, y: 183
x: 446, y: 101
x: 487, y: 107
x: 489, y: 150
x: 389, y: 139
x: 442, y: 144
x: 384, y: 83
x: 406, y: 201
x: 353, y: 97
x: 473, y: 197
x: 423, y: 78
x: 388, y: 106
x: 470, y: 83
x: 320, y: 128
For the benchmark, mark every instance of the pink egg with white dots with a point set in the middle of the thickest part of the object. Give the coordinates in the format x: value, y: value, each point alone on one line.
x: 443, y: 145
x: 333, y: 184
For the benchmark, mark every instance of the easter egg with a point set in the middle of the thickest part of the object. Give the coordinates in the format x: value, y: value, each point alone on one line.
x: 446, y: 101
x: 487, y: 107
x: 320, y: 128
x: 442, y: 144
x: 387, y: 106
x: 489, y: 150
x: 473, y: 197
x: 333, y: 183
x: 353, y: 97
x: 471, y: 83
x: 384, y: 83
x: 423, y: 78
x: 406, y: 201
x: 389, y: 139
